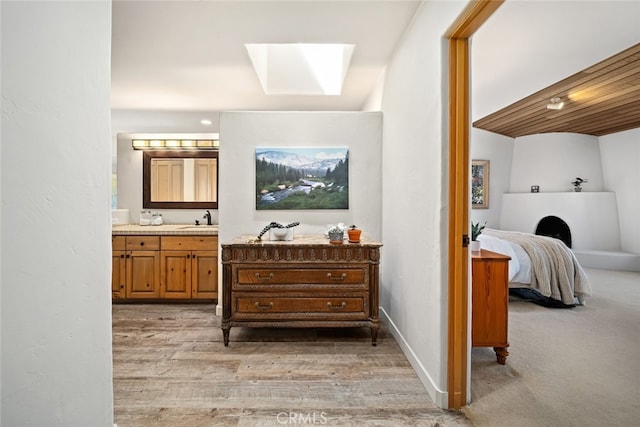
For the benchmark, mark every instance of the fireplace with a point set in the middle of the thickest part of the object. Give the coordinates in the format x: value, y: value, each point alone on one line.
x: 589, y: 221
x: 555, y: 227
x: 591, y: 217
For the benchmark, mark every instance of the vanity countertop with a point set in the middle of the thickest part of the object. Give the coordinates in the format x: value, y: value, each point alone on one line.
x: 164, y: 229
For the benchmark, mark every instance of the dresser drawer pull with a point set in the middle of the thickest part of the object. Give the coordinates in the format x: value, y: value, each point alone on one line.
x: 269, y: 277
x: 338, y: 307
x: 264, y: 307
x: 342, y: 276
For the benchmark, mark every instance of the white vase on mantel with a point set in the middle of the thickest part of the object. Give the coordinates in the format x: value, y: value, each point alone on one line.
x: 475, y: 246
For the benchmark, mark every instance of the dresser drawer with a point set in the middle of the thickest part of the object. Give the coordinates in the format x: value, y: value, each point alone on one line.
x: 143, y: 243
x: 265, y: 306
x: 311, y: 276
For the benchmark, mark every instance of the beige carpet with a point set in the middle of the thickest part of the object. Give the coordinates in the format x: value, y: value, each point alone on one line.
x: 567, y: 367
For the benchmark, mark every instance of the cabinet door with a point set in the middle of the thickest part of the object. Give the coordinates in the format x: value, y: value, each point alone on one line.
x: 118, y: 274
x: 142, y: 274
x: 175, y: 274
x: 490, y: 302
x: 205, y: 274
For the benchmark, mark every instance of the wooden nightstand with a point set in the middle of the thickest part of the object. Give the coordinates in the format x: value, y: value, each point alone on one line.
x: 490, y: 302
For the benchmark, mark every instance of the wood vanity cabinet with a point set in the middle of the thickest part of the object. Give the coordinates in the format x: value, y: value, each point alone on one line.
x: 118, y: 267
x: 164, y: 267
x: 135, y: 267
x: 306, y: 282
x: 490, y: 302
x: 189, y: 267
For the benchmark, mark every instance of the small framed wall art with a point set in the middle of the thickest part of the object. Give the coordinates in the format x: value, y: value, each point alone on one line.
x: 480, y: 184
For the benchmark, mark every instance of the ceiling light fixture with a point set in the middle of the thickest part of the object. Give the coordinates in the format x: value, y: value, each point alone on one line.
x: 205, y: 122
x: 555, y: 104
x: 175, y: 144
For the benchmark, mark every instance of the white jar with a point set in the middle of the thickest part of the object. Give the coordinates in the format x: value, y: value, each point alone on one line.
x: 145, y: 217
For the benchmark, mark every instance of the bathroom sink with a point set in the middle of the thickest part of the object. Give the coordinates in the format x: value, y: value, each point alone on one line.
x: 198, y: 227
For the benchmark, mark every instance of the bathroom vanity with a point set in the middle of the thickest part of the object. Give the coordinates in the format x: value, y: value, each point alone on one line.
x: 305, y: 282
x: 164, y: 262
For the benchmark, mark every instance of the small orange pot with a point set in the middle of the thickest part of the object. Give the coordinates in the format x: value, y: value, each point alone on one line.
x: 354, y: 235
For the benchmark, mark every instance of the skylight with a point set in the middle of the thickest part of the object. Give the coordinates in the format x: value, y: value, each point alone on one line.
x: 300, y: 68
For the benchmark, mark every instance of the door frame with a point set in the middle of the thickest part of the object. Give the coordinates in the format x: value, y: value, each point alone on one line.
x: 458, y: 35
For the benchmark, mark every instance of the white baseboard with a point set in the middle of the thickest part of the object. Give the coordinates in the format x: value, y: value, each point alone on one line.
x: 439, y: 397
x: 219, y: 310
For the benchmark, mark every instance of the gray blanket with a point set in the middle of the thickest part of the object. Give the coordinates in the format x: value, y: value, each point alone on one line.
x: 555, y: 271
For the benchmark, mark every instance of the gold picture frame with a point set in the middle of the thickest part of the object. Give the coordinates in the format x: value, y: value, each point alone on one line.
x: 480, y: 184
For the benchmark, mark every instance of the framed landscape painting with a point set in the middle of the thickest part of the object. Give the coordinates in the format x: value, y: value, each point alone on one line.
x: 302, y: 178
x: 480, y: 184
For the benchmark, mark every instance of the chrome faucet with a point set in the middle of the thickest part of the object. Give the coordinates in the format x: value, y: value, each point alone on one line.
x: 208, y: 217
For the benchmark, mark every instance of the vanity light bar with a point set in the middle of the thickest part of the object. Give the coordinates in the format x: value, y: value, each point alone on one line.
x: 203, y: 144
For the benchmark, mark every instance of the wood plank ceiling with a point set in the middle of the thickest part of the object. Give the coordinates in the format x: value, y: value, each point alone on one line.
x: 603, y: 99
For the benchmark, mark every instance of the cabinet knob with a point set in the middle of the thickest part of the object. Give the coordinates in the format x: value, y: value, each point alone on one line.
x: 141, y: 243
x: 341, y: 277
x: 269, y: 277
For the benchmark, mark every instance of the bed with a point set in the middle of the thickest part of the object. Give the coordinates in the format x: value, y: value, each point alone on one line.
x: 541, y: 265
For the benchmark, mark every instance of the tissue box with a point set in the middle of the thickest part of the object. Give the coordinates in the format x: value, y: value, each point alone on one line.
x: 119, y: 216
x: 281, y: 234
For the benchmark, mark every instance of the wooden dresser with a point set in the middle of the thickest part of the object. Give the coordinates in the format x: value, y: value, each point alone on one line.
x: 490, y: 302
x: 306, y: 282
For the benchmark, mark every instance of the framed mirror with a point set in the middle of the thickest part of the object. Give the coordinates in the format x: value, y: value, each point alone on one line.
x: 180, y: 179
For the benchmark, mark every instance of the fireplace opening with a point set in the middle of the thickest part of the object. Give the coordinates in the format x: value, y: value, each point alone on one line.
x: 553, y: 226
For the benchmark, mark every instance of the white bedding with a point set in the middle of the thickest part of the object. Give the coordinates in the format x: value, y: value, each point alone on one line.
x: 520, y: 263
x: 541, y: 263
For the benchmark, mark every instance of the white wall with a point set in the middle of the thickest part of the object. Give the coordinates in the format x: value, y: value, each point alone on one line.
x: 498, y: 149
x: 414, y: 213
x: 55, y: 155
x: 553, y: 160
x: 620, y: 159
x: 242, y: 132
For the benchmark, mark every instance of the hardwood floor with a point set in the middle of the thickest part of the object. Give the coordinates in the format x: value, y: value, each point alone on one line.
x: 170, y: 368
